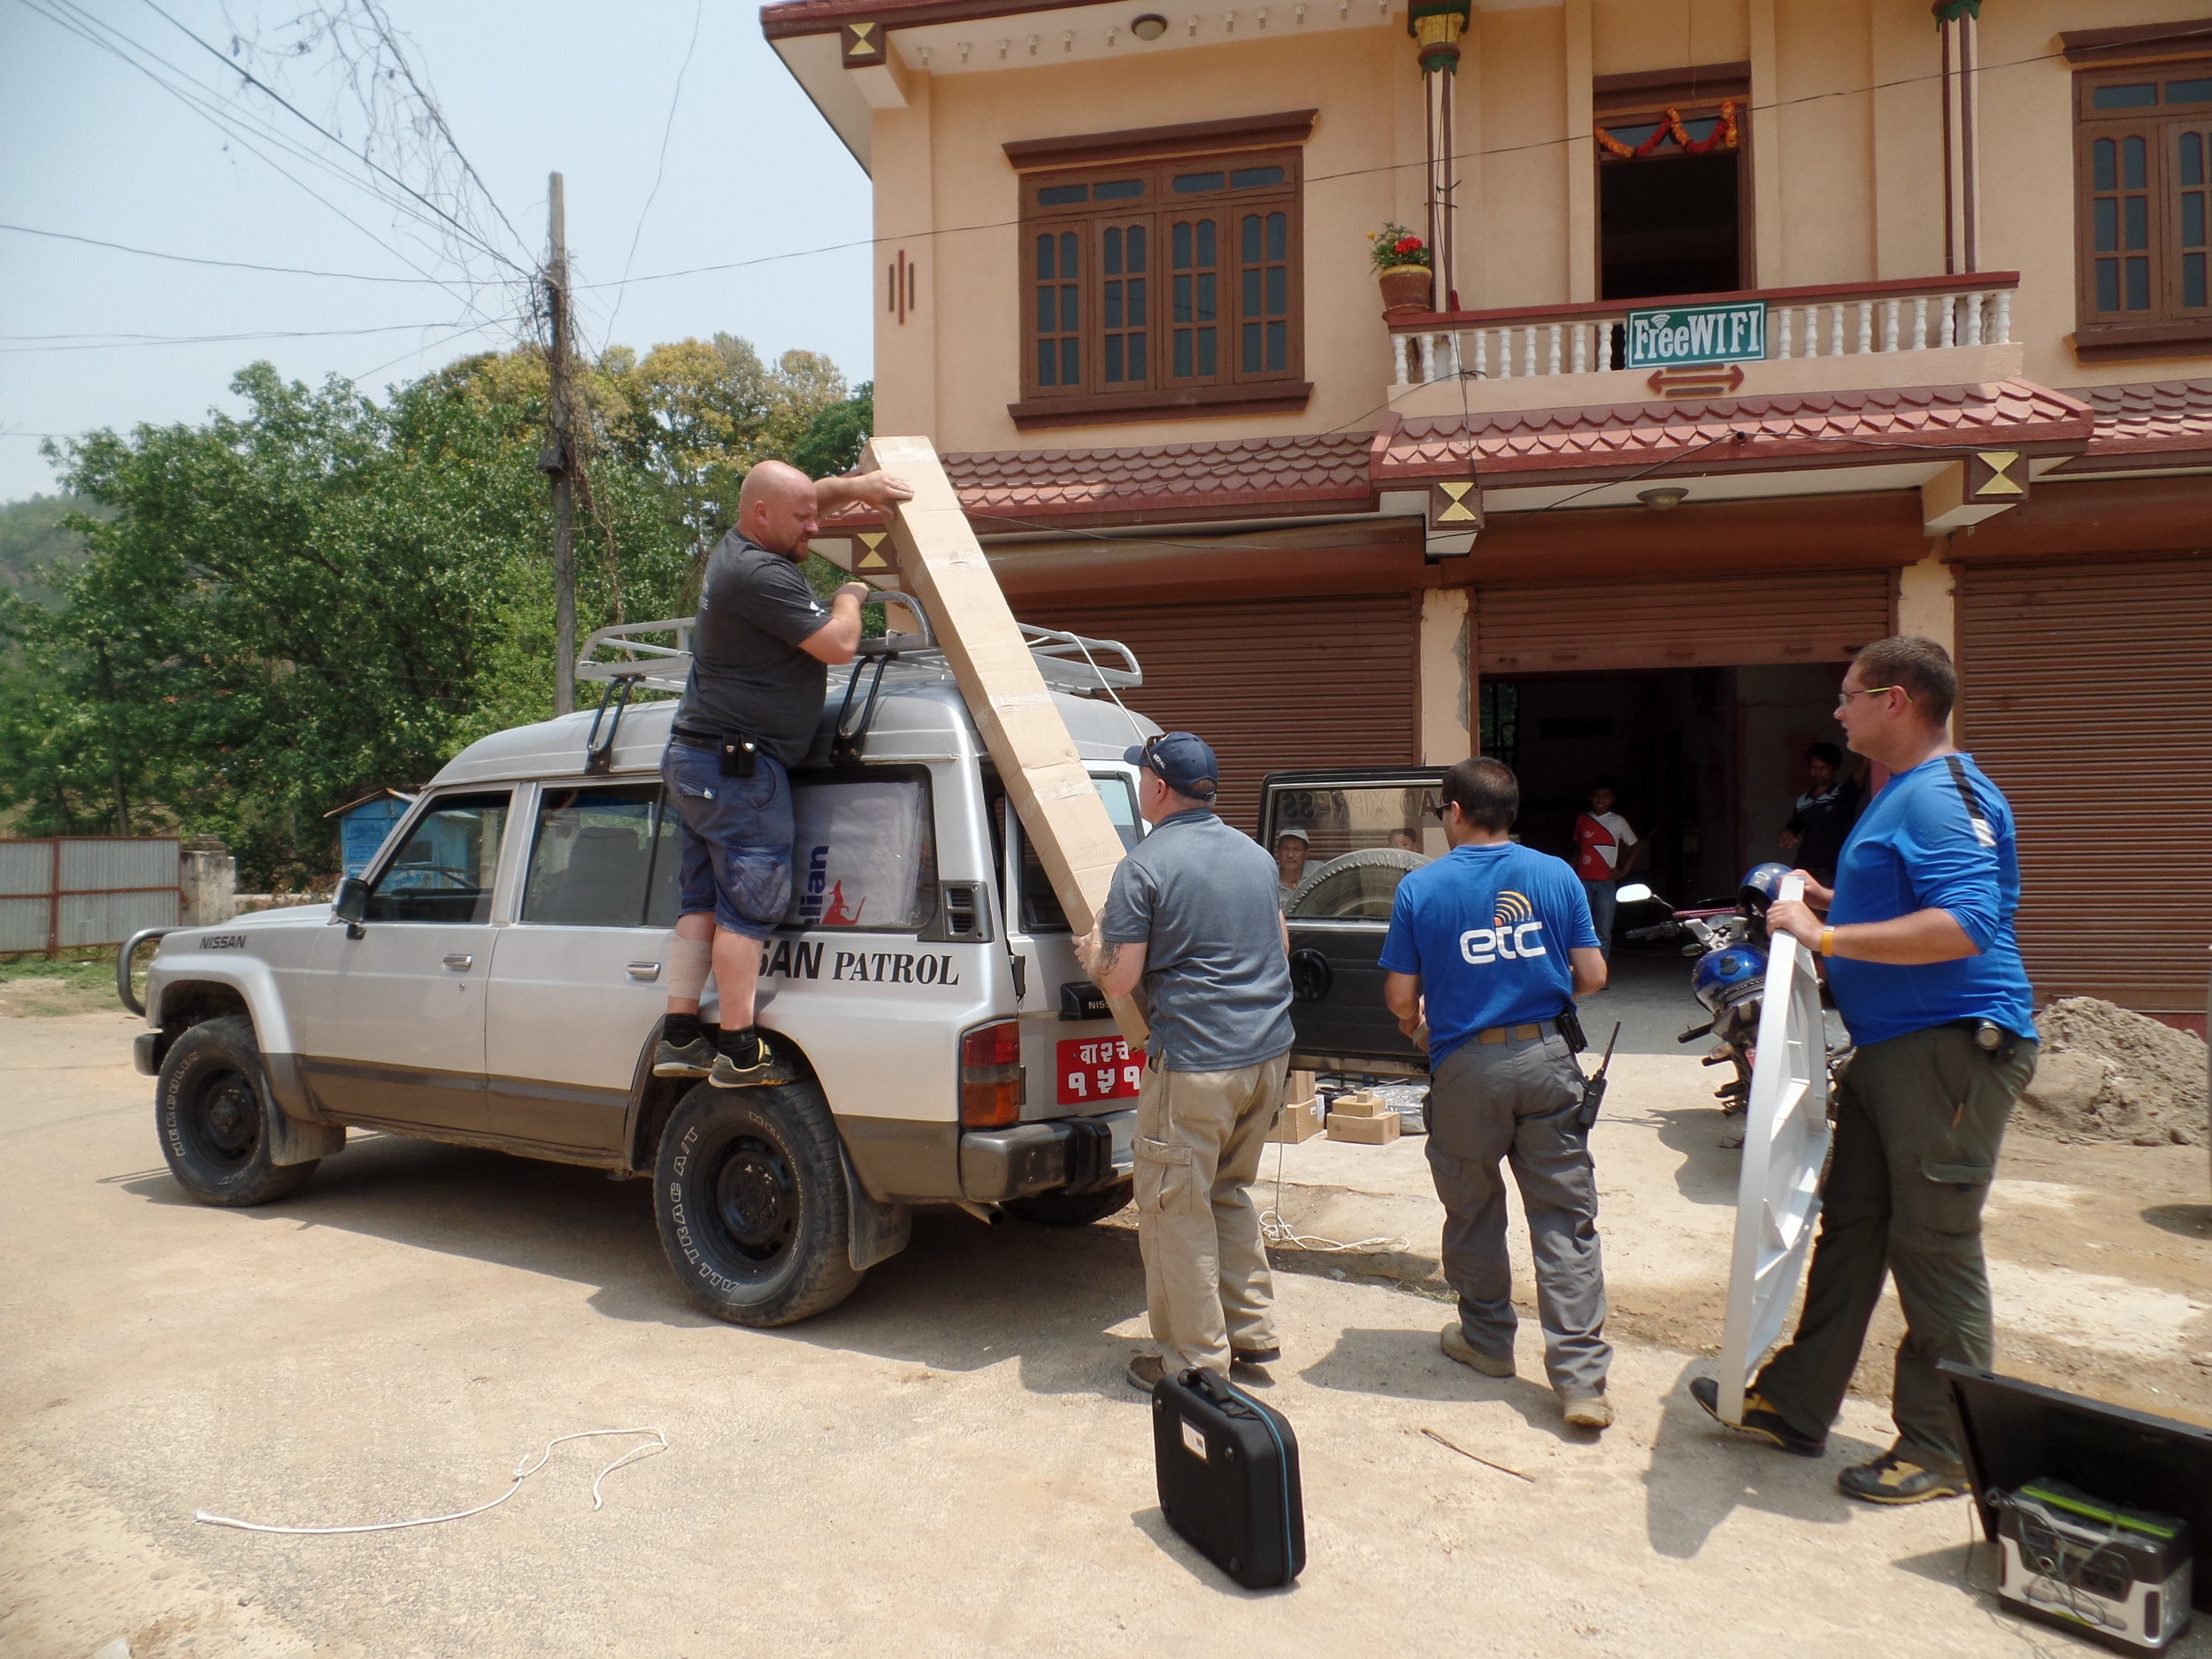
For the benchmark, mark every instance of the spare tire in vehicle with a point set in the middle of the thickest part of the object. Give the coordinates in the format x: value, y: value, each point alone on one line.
x: 749, y: 1190
x: 211, y: 1107
x: 1354, y: 887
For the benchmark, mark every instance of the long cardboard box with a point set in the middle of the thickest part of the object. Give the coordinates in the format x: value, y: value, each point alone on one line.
x: 942, y: 563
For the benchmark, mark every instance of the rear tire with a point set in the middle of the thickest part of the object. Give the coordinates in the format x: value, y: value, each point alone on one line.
x: 211, y: 1108
x: 749, y: 1191
x: 1071, y: 1209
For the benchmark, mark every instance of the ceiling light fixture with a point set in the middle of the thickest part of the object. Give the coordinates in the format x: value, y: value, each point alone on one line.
x: 1150, y: 26
x: 1663, y: 499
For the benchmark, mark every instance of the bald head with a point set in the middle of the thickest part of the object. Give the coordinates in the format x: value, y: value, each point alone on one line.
x: 775, y: 509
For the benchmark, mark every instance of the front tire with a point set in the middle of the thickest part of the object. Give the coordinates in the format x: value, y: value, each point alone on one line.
x: 211, y: 1107
x: 749, y: 1191
x: 1073, y: 1209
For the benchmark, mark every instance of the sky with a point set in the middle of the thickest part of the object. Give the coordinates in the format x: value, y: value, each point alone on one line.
x: 93, y: 148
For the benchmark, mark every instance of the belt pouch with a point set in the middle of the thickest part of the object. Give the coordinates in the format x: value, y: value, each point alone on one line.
x: 739, y: 756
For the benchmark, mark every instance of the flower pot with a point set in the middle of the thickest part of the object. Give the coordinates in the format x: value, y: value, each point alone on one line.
x: 1405, y: 288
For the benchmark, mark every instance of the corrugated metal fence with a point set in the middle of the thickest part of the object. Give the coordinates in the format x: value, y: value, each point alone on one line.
x: 85, y: 890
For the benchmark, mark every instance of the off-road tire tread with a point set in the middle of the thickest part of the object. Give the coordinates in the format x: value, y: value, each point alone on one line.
x: 261, y: 1181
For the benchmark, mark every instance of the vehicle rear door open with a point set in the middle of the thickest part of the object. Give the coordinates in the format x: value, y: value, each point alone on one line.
x: 1342, y: 840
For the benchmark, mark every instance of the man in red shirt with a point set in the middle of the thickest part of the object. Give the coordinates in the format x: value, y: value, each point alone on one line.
x: 1605, y: 849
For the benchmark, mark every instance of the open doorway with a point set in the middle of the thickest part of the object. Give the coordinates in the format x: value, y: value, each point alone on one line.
x: 1670, y: 223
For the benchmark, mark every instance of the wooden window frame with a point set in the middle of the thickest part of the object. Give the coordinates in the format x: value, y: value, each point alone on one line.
x: 1231, y: 388
x: 2169, y: 328
x: 1696, y: 95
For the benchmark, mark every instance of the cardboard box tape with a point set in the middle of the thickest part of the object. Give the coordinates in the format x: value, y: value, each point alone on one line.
x: 942, y: 563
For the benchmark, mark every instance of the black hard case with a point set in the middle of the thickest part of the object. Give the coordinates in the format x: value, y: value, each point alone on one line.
x: 1228, y: 1477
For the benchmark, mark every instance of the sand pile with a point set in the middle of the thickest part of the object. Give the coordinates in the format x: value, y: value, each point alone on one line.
x: 2109, y: 1074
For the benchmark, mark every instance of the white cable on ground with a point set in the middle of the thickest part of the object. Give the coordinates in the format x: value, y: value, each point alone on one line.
x: 1274, y: 1230
x: 523, y: 1471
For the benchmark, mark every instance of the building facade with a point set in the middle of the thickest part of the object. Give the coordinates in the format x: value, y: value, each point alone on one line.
x: 1754, y: 330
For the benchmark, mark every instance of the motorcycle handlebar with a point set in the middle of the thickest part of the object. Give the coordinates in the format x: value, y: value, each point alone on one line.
x: 1661, y: 930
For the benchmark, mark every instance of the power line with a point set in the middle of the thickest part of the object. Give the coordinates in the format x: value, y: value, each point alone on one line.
x: 204, y: 340
x: 226, y: 264
x: 668, y: 128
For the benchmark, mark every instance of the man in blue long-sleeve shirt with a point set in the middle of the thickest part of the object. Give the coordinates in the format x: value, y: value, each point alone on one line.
x: 1926, y: 973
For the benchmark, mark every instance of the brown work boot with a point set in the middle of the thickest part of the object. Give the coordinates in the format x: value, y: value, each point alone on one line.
x: 1456, y: 1346
x: 1586, y: 1411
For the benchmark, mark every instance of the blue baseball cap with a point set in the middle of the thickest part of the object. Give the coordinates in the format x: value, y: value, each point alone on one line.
x: 1185, y: 763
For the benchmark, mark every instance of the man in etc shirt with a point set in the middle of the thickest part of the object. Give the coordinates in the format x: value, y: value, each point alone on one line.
x: 1920, y: 953
x: 1493, y: 942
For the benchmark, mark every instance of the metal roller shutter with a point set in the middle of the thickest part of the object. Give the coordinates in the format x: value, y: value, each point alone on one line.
x: 1684, y: 622
x: 1272, y: 683
x: 2087, y: 696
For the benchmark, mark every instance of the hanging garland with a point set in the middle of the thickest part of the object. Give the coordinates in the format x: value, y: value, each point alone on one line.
x: 1722, y: 137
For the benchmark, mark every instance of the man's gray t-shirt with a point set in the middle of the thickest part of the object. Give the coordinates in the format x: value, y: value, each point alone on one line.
x: 1200, y: 897
x: 748, y: 674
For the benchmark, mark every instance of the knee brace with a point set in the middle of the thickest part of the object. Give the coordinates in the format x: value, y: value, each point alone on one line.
x: 689, y: 962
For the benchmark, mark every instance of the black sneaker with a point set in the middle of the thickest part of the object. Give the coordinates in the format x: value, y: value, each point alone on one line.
x: 1890, y: 1478
x: 1760, y: 1419
x: 728, y: 1073
x: 1254, y: 1355
x: 695, y: 1058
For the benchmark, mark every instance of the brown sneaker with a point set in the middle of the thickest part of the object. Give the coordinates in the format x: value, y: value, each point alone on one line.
x: 1890, y: 1478
x: 1587, y: 1412
x: 1145, y: 1372
x: 1456, y: 1346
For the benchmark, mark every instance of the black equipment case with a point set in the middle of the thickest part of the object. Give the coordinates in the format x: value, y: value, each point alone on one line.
x: 1228, y: 1475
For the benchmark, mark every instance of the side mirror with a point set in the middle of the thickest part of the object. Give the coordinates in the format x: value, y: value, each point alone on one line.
x: 1634, y: 893
x: 350, y: 904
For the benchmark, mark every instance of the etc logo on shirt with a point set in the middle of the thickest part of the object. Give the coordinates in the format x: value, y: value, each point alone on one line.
x: 1515, y: 934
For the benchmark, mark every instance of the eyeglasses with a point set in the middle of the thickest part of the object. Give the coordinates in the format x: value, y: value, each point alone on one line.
x: 1844, y: 697
x: 1439, y: 809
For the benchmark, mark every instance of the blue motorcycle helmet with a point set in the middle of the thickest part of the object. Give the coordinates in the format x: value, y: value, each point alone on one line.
x: 1762, y: 885
x: 1726, y: 977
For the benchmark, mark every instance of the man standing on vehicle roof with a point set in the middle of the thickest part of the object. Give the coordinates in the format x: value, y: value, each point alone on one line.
x: 1192, y: 914
x: 1928, y: 977
x: 1491, y: 944
x: 761, y: 651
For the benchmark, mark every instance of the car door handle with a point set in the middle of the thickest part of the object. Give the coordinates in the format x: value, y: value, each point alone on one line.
x: 647, y: 971
x: 459, y: 963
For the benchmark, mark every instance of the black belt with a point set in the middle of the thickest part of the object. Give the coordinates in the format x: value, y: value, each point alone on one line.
x: 694, y: 739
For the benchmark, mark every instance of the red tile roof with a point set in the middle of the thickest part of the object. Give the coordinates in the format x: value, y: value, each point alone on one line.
x: 1006, y: 490
x: 1850, y: 428
x: 2147, y: 424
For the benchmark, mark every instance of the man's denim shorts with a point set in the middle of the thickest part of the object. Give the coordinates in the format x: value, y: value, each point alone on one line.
x: 737, y: 839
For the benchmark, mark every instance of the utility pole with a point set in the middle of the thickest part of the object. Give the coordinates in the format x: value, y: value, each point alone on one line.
x: 559, y: 458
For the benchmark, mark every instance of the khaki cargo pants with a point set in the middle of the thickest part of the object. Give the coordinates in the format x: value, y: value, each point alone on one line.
x: 1206, y: 1281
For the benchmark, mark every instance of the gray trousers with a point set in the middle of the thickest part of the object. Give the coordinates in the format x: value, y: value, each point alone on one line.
x: 1517, y: 1102
x: 1919, y: 1120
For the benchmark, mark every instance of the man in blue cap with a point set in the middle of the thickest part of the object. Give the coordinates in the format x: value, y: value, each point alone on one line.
x: 1192, y: 914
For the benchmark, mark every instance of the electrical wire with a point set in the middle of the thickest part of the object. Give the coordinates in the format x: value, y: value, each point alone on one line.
x: 660, y: 167
x: 226, y: 264
x: 1275, y: 1231
x: 204, y: 340
x: 523, y: 1471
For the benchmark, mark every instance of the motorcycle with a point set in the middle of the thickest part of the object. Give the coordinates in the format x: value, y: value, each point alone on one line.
x: 1729, y: 982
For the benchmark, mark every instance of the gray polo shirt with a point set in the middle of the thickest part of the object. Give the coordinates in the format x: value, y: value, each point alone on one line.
x: 1200, y: 897
x: 748, y: 674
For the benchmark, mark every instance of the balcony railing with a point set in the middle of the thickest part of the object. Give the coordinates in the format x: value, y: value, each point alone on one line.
x: 1843, y: 319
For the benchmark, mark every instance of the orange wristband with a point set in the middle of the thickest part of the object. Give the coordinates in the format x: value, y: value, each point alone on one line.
x: 1827, y: 941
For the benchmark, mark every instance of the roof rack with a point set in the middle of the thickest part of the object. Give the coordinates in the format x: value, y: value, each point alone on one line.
x: 634, y: 657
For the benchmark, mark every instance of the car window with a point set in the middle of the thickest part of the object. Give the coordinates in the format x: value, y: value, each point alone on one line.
x: 1340, y: 852
x: 445, y: 869
x: 1040, y: 907
x: 863, y: 855
x: 602, y: 855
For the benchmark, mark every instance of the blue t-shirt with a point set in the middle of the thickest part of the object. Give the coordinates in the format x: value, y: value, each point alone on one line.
x: 1489, y: 929
x: 1915, y: 847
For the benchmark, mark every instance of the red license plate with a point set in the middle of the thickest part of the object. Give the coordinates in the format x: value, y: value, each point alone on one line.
x: 1098, y: 1068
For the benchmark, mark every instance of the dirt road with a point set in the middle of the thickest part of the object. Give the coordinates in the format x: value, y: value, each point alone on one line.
x: 948, y: 1463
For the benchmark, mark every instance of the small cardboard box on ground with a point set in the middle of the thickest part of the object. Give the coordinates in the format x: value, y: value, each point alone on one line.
x: 1364, y: 1117
x: 1301, y: 1117
x: 942, y: 563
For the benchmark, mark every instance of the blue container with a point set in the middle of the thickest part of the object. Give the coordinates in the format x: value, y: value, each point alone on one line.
x: 363, y: 823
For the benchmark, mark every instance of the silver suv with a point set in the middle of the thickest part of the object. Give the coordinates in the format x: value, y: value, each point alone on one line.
x: 495, y: 980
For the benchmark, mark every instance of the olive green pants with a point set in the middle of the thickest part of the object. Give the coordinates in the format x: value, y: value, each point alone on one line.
x: 1206, y: 1281
x: 1919, y: 1119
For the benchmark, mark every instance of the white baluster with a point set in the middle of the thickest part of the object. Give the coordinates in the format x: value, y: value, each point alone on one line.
x: 1890, y: 309
x: 1835, y: 330
x: 1582, y: 347
x: 2001, y: 325
x: 1974, y: 318
x: 1866, y: 327
x: 1947, y: 326
x: 1482, y: 354
x: 1783, y: 337
x: 1552, y: 356
x: 1920, y: 322
x: 1528, y: 348
x: 1398, y: 358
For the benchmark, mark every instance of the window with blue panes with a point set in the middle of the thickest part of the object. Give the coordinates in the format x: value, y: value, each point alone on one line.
x: 2145, y: 185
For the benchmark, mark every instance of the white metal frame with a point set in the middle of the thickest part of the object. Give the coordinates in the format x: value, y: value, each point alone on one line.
x: 1786, y: 1145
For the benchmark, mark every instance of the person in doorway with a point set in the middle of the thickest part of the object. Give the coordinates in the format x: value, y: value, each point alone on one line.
x: 1918, y: 939
x: 1824, y: 814
x: 1191, y: 916
x: 761, y: 651
x: 1405, y: 840
x: 1606, y: 850
x: 1290, y: 864
x: 1490, y: 945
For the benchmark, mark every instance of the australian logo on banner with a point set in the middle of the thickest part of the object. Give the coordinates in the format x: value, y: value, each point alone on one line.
x: 1667, y: 336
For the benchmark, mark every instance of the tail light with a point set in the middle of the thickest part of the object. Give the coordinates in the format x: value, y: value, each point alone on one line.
x: 992, y: 1089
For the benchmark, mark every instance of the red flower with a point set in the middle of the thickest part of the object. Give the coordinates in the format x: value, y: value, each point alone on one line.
x: 1408, y: 244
